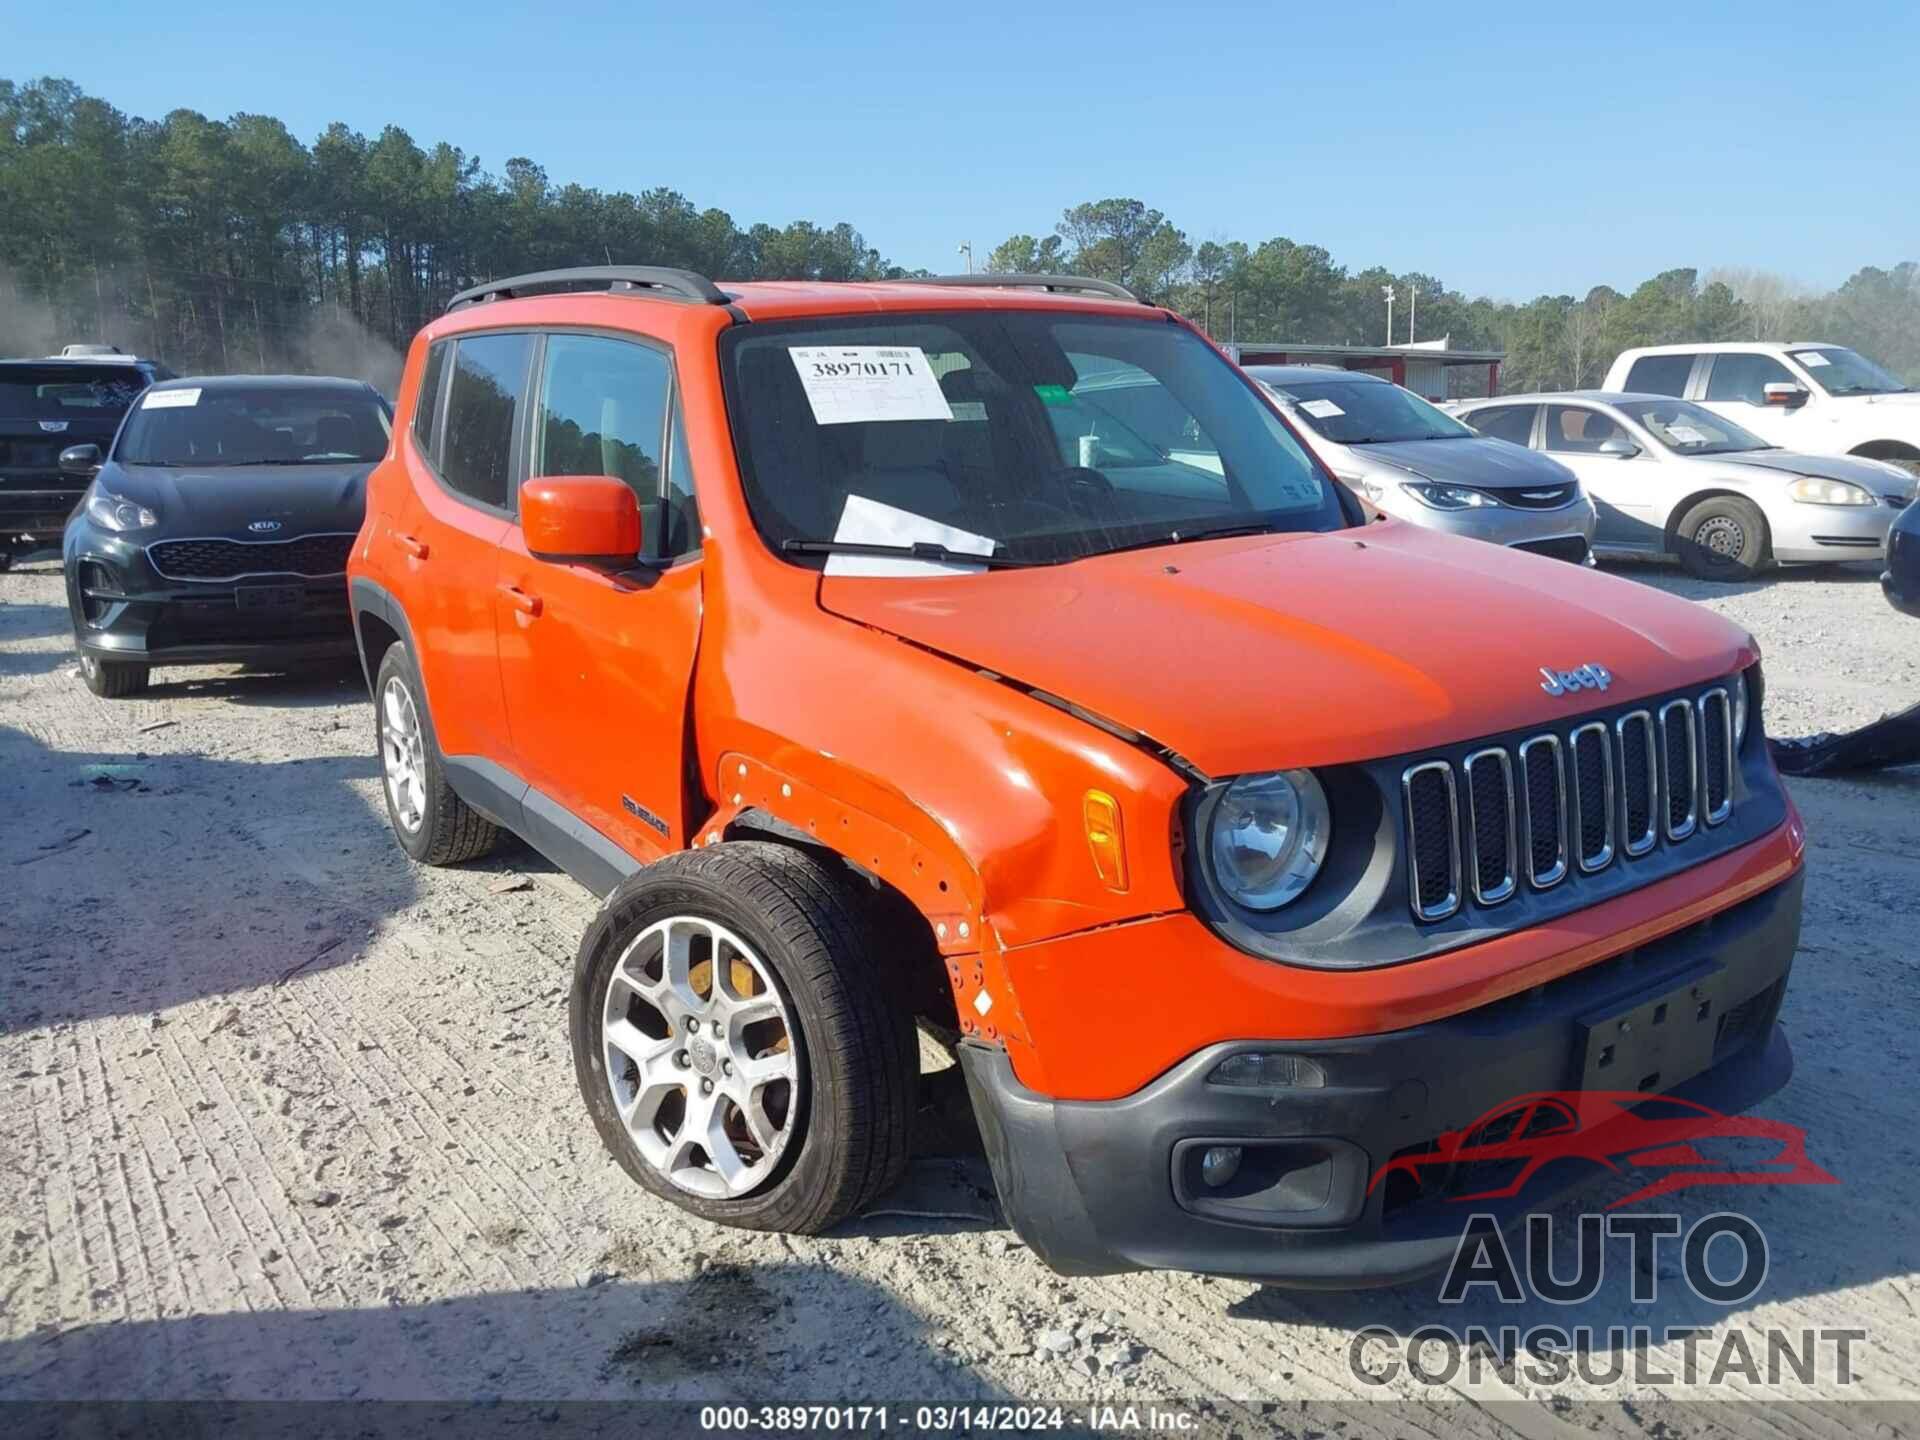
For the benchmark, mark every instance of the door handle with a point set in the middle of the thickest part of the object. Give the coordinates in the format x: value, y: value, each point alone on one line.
x: 416, y: 548
x: 526, y: 604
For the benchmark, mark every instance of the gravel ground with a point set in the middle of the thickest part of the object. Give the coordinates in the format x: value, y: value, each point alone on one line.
x: 288, y: 1117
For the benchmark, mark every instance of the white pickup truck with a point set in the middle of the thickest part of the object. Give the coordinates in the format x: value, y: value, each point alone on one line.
x: 1813, y: 398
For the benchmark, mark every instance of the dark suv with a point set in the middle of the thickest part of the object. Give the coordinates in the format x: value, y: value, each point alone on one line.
x: 45, y: 407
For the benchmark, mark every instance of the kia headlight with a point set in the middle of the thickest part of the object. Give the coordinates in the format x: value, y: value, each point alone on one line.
x: 1448, y: 497
x: 1268, y: 837
x: 1812, y: 490
x: 113, y: 512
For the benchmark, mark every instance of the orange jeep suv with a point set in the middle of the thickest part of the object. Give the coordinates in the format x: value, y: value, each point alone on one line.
x: 988, y: 650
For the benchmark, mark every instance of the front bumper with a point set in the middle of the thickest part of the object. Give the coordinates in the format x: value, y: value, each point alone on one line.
x: 1102, y: 1186
x: 1901, y: 582
x: 124, y: 610
x: 1817, y: 533
x: 1562, y: 534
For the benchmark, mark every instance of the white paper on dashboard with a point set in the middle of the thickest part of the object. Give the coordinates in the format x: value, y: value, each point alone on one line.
x: 1812, y: 358
x: 868, y: 522
x: 851, y: 384
x: 170, y: 399
x: 1686, y: 435
x: 1322, y: 409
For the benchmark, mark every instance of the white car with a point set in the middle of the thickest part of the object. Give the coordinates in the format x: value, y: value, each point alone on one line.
x: 1813, y: 398
x: 1671, y: 478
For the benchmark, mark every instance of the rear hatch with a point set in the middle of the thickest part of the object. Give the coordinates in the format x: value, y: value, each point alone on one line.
x: 46, y: 406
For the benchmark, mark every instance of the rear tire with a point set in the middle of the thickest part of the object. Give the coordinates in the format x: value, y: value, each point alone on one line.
x: 113, y: 679
x: 1722, y: 538
x: 838, y: 1136
x: 432, y: 824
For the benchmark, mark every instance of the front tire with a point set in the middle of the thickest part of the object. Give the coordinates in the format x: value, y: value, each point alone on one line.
x: 1722, y: 538
x: 113, y: 679
x: 432, y: 824
x: 734, y: 1041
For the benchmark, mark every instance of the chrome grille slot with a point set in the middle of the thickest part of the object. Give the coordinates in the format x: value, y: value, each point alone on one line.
x: 1433, y: 830
x: 1543, y: 811
x: 1716, y: 756
x: 1639, y: 783
x: 1490, y: 824
x: 1680, y: 768
x: 1593, y: 812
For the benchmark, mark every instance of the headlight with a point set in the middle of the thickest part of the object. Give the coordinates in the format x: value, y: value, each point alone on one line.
x: 1814, y: 491
x: 110, y: 512
x: 1448, y: 497
x: 1269, y: 835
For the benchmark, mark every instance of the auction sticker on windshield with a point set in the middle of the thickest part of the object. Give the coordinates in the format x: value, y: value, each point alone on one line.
x: 1813, y: 358
x: 1322, y: 409
x: 170, y: 399
x: 848, y: 384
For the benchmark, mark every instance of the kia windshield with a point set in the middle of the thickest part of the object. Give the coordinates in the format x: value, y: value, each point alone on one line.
x: 1035, y: 437
x: 1368, y: 412
x: 224, y: 425
x: 1847, y: 372
x: 1689, y: 429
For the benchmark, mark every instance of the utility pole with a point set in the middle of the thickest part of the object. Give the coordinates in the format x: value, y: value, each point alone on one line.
x: 966, y: 249
x: 1413, y: 310
x: 1387, y: 290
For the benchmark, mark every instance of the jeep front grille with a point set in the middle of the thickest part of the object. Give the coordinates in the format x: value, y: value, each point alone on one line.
x: 1565, y: 802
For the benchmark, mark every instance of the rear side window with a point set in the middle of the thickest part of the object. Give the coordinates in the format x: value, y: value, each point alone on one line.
x: 489, y: 374
x: 1504, y: 422
x: 426, y: 407
x: 1745, y: 377
x: 1660, y: 375
x: 603, y: 411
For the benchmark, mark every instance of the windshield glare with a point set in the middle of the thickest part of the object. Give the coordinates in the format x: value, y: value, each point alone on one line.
x: 68, y: 392
x: 1054, y: 435
x: 1846, y: 372
x: 255, y: 425
x: 1368, y: 412
x: 1689, y: 429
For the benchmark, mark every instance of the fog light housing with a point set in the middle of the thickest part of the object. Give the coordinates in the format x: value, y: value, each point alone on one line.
x: 1268, y: 1069
x: 1220, y: 1164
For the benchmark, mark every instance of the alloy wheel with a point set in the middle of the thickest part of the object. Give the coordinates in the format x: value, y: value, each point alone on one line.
x: 701, y: 1058
x: 403, y: 756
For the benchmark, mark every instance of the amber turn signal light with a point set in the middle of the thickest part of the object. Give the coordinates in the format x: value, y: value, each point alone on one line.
x: 1106, y: 839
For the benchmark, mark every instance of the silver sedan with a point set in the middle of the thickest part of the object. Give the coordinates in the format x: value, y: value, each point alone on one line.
x: 1420, y: 465
x: 1672, y: 479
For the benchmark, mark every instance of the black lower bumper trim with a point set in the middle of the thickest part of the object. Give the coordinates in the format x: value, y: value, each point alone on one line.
x: 1102, y: 1186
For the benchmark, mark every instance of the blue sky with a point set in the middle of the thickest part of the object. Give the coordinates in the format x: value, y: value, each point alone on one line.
x: 1509, y: 150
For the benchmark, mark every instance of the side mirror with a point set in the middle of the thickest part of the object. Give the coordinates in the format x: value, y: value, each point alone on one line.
x: 1783, y: 392
x: 1619, y: 449
x: 580, y: 520
x: 80, y: 460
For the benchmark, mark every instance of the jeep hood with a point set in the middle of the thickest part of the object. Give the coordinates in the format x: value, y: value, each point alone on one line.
x: 1276, y: 651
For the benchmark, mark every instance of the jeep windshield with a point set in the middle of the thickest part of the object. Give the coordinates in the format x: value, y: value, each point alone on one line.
x: 1847, y: 372
x: 222, y: 425
x: 68, y: 392
x: 1369, y: 412
x: 1035, y: 436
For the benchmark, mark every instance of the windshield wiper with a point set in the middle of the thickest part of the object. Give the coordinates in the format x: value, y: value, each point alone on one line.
x: 1183, y: 537
x: 919, y: 550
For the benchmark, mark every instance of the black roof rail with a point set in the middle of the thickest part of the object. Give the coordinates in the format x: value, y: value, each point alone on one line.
x: 1036, y: 282
x: 654, y: 280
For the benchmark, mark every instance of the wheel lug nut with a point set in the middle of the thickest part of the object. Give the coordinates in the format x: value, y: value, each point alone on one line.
x: 681, y: 1060
x: 726, y: 1067
x: 693, y: 1025
x: 718, y: 1028
x: 706, y: 1087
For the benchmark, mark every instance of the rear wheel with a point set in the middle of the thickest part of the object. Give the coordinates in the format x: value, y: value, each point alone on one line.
x: 113, y: 679
x: 432, y: 824
x: 1722, y: 538
x: 734, y: 1041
